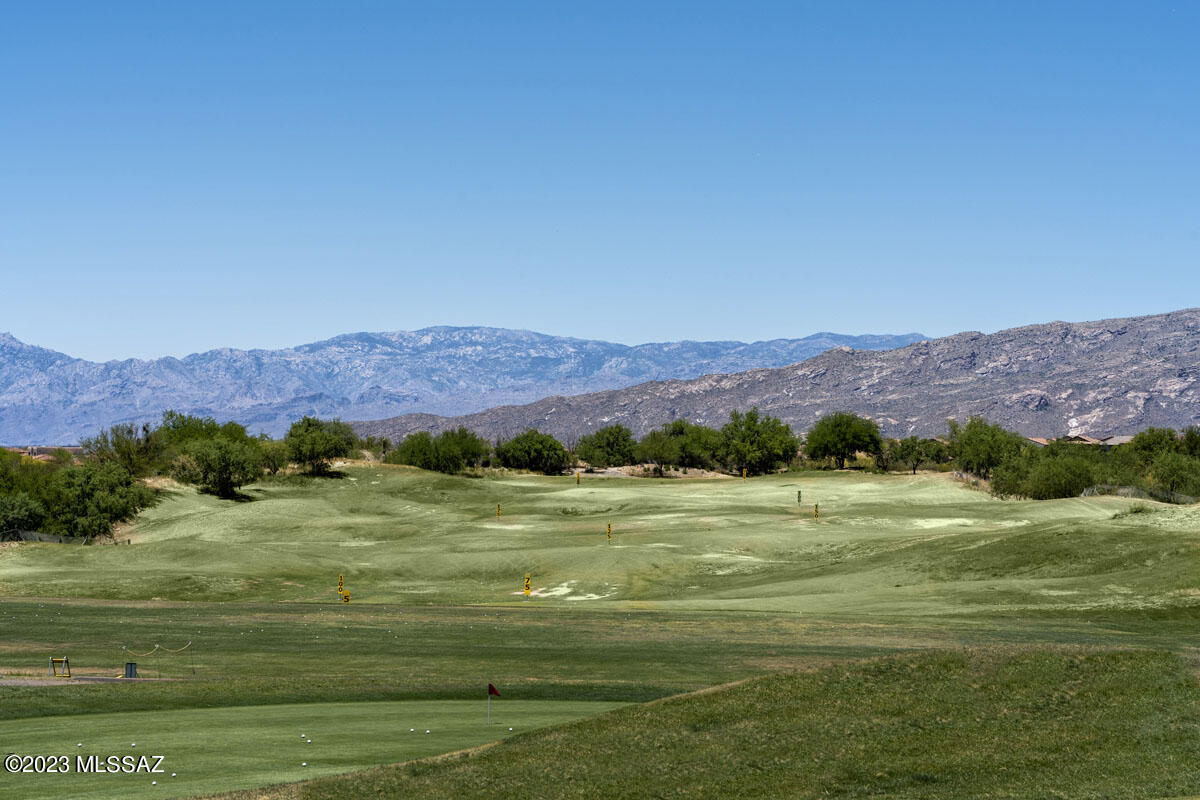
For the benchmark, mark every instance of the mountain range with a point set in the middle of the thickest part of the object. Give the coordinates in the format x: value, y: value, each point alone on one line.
x: 1101, y: 378
x: 47, y: 397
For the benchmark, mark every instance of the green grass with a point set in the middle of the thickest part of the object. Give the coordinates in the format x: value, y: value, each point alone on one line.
x: 885, y: 545
x: 262, y: 745
x: 705, y: 582
x: 1040, y: 724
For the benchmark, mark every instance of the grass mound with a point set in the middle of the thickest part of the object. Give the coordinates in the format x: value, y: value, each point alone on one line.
x: 946, y: 725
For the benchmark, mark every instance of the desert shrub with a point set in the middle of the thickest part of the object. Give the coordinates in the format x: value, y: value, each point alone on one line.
x: 839, y: 436
x: 757, y: 442
x: 611, y: 446
x: 314, y: 442
x: 535, y: 451
x: 449, y: 452
x: 88, y: 500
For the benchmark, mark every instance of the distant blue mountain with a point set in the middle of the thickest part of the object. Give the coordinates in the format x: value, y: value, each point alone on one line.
x: 47, y: 397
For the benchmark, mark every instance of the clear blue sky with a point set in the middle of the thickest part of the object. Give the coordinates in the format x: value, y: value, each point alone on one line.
x: 181, y: 176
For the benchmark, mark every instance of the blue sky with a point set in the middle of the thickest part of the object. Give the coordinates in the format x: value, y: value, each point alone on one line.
x: 177, y: 177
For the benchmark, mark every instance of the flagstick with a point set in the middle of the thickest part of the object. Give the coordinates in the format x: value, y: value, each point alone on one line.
x: 489, y: 708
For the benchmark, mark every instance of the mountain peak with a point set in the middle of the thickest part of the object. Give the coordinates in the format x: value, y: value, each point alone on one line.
x: 1105, y: 377
x: 50, y: 398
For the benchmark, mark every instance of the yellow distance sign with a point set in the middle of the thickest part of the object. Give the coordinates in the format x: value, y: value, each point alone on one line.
x: 527, y: 586
x: 497, y: 509
x: 576, y: 478
x: 346, y: 597
x: 816, y: 511
x: 610, y: 531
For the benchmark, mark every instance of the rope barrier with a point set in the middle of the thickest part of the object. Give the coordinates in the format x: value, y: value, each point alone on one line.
x: 140, y: 655
x: 180, y: 650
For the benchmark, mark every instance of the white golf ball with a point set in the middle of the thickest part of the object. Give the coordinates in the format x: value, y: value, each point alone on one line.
x: 133, y: 745
x: 172, y: 774
x: 302, y: 736
x: 154, y: 783
x: 427, y: 731
x: 510, y: 729
x: 79, y: 745
x: 310, y: 741
x: 304, y: 763
x: 412, y: 730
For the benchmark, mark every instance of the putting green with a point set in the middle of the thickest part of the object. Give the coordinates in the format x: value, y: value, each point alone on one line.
x: 222, y: 749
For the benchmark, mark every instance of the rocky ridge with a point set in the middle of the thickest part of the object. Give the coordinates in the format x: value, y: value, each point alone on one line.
x: 47, y: 397
x: 1099, y: 378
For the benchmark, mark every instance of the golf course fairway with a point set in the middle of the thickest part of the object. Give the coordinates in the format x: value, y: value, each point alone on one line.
x: 231, y: 611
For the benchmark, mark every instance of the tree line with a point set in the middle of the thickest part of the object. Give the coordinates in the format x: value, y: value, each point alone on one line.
x: 750, y: 441
x: 86, y: 497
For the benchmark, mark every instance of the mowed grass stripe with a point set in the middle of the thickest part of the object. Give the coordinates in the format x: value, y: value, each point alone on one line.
x: 944, y: 725
x: 229, y: 748
x: 885, y: 545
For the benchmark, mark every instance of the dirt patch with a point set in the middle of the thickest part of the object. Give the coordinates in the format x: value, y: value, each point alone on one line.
x: 80, y: 679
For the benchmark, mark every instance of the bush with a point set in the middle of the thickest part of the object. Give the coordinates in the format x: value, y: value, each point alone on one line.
x: 448, y: 452
x: 220, y: 466
x: 535, y: 451
x: 979, y: 447
x: 1176, y: 473
x: 274, y: 455
x: 612, y: 446
x: 840, y: 435
x: 757, y: 443
x: 314, y: 442
x: 88, y: 500
x: 658, y: 448
x: 1052, y: 478
x: 20, y: 512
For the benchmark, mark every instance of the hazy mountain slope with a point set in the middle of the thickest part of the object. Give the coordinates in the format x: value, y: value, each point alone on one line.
x: 1106, y: 377
x: 50, y: 398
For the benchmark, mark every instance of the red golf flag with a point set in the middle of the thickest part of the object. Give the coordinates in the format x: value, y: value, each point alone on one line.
x: 493, y: 690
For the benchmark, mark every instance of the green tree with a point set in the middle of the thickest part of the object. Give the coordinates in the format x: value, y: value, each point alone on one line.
x: 222, y: 466
x: 415, y: 450
x: 658, y: 448
x: 274, y: 455
x: 608, y: 447
x: 87, y: 500
x: 888, y: 455
x: 912, y: 452
x: 1189, y: 443
x: 840, y: 435
x: 135, y: 449
x: 1054, y: 477
x: 700, y: 446
x: 178, y: 429
x: 756, y: 442
x: 314, y: 442
x: 448, y: 452
x: 470, y: 447
x: 980, y: 447
x: 1175, y: 472
x: 20, y: 512
x: 536, y: 451
x: 1149, y: 444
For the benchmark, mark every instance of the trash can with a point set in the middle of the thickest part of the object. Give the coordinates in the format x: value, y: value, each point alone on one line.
x: 130, y: 669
